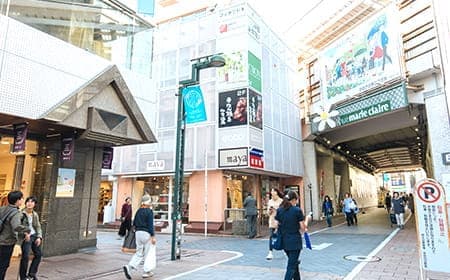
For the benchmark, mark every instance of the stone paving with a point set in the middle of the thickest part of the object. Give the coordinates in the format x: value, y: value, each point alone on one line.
x: 225, y: 257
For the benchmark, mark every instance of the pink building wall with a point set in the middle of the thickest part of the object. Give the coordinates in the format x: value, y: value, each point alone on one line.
x: 296, y: 181
x: 216, y: 196
x: 123, y: 191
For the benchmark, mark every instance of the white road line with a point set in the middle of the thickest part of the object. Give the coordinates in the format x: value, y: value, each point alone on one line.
x: 361, y: 265
x: 237, y: 255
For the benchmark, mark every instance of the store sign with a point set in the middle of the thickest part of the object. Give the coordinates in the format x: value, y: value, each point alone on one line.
x: 155, y: 165
x: 67, y: 148
x: 254, y: 71
x: 433, y: 225
x: 107, y: 158
x: 446, y: 158
x: 365, y: 113
x: 256, y: 158
x: 233, y: 157
x: 233, y: 137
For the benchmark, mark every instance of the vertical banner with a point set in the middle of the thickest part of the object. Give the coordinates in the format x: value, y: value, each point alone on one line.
x: 20, y: 137
x: 108, y: 153
x: 254, y: 71
x: 432, y: 224
x: 194, y: 104
x: 255, y: 109
x: 67, y: 148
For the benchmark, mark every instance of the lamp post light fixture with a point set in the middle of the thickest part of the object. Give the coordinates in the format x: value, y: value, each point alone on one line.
x: 198, y: 64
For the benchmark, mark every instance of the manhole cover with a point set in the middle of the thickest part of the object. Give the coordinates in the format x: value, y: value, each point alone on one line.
x: 356, y: 258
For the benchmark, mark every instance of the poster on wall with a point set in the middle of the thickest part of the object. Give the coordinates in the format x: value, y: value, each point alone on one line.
x: 233, y: 108
x: 254, y: 71
x: 255, y: 109
x: 65, y: 186
x: 235, y: 68
x: 398, y: 183
x: 363, y: 59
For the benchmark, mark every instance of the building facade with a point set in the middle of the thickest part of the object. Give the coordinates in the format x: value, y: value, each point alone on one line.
x: 251, y: 138
x: 63, y: 106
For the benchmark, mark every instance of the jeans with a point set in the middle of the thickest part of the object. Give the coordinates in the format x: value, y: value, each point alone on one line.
x: 271, y: 230
x: 251, y: 225
x: 292, y: 269
x: 26, y: 247
x: 349, y: 217
x: 400, y: 219
x: 5, y: 256
x: 329, y: 219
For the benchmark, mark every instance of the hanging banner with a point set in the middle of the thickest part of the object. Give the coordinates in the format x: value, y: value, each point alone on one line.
x: 20, y: 137
x: 432, y: 225
x: 67, y: 148
x: 255, y: 109
x: 194, y: 104
x: 107, y: 159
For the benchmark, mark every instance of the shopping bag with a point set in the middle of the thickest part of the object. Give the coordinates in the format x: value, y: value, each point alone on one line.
x: 129, y: 243
x: 277, y: 240
x: 150, y: 258
x: 307, y: 241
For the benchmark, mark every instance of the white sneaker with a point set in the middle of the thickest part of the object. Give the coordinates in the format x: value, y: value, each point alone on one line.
x: 147, y: 274
x: 126, y: 271
x: 269, y: 256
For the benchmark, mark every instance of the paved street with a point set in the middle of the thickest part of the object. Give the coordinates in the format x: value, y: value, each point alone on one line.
x: 241, y: 258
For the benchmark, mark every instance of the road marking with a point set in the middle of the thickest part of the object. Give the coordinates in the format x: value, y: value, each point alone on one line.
x: 361, y: 265
x: 321, y: 246
x: 237, y: 255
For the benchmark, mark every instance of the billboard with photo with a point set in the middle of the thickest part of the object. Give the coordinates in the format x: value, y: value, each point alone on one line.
x: 364, y: 58
x: 255, y: 116
x: 233, y: 108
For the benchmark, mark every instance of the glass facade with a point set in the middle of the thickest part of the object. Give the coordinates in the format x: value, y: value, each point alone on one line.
x: 102, y: 27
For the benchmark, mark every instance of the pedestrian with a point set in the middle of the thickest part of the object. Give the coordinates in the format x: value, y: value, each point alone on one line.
x: 411, y: 203
x: 398, y: 205
x: 11, y: 227
x: 290, y: 221
x: 348, y: 207
x: 125, y: 217
x: 274, y: 203
x: 34, y: 244
x: 250, y: 214
x: 355, y: 210
x: 145, y: 238
x: 327, y: 209
x: 388, y: 202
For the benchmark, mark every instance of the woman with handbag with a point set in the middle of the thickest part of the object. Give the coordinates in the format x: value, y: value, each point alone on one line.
x: 290, y: 221
x: 274, y: 203
x: 145, y: 240
x: 125, y: 217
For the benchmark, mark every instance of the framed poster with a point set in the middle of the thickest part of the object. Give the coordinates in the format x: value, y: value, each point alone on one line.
x: 65, y: 186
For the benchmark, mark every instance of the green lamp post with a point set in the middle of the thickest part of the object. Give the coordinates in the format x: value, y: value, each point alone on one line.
x: 198, y: 64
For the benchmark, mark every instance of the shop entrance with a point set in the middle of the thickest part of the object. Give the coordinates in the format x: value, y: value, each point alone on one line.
x: 16, y: 170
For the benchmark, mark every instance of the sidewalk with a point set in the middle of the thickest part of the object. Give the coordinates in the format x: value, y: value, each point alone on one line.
x: 399, y: 260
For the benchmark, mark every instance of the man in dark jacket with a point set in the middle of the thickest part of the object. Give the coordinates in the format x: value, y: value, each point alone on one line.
x: 125, y: 217
x: 12, y: 224
x: 250, y: 213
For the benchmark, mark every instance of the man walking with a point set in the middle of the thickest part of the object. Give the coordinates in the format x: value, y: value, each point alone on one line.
x: 34, y: 244
x: 11, y: 224
x: 250, y: 214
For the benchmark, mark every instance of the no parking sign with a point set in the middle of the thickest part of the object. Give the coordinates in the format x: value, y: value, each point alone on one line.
x: 433, y: 234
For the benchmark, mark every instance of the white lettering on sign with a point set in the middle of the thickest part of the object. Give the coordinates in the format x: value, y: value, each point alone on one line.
x: 433, y: 227
x: 155, y: 165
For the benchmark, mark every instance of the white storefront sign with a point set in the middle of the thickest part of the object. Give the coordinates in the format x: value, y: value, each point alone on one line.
x: 233, y: 157
x: 433, y: 226
x: 153, y: 165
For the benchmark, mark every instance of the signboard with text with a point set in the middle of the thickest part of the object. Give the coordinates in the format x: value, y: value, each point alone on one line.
x: 433, y: 225
x: 233, y: 157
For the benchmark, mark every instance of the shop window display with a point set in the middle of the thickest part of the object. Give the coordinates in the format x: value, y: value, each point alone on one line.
x: 237, y: 188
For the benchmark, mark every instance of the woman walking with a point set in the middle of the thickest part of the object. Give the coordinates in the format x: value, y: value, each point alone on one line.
x: 274, y: 203
x: 145, y: 237
x: 290, y: 220
x: 327, y: 209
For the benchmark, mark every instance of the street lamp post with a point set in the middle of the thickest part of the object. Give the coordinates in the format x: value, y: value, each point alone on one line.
x: 197, y: 65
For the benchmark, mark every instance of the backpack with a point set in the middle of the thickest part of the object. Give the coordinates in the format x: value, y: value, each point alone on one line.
x: 5, y: 216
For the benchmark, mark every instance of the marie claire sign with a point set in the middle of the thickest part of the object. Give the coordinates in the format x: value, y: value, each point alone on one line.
x: 153, y: 165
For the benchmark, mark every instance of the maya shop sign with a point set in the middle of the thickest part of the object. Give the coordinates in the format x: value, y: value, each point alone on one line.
x: 367, y: 112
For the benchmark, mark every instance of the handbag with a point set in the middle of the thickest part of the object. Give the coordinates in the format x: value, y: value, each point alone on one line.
x: 129, y: 243
x: 277, y: 243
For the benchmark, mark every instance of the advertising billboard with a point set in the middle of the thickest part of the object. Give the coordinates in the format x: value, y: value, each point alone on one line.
x: 364, y: 58
x: 233, y: 108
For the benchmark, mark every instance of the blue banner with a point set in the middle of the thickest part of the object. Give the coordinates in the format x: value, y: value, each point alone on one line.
x: 146, y: 7
x: 194, y: 105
